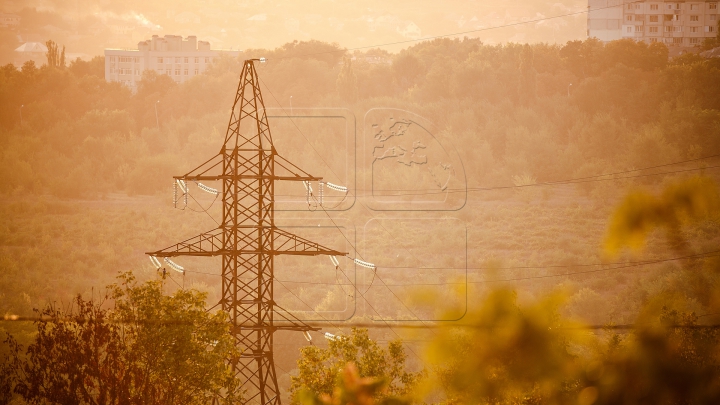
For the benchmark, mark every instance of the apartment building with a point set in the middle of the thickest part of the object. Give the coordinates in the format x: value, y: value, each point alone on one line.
x: 179, y: 58
x: 677, y: 24
x: 9, y: 20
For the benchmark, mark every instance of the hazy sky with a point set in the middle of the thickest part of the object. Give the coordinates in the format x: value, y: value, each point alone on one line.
x: 269, y: 23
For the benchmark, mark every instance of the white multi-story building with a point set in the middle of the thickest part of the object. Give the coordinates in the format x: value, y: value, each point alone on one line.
x: 180, y: 59
x: 675, y: 23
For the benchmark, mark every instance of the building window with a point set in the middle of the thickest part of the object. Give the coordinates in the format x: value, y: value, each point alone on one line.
x: 711, y: 28
x: 185, y: 72
x: 628, y: 17
x: 639, y: 17
x: 668, y: 17
x: 694, y: 40
x: 713, y: 6
x: 638, y: 28
x: 196, y: 71
x: 637, y: 7
x: 668, y: 28
x: 713, y: 17
x: 197, y: 60
x: 653, y: 40
x: 177, y: 72
x: 653, y: 18
x: 207, y: 60
x: 653, y: 7
x: 677, y: 41
x: 694, y: 18
x: 112, y: 59
x: 160, y: 59
x: 693, y: 29
x: 177, y: 60
x: 629, y: 29
x: 137, y: 72
x: 653, y: 29
x: 186, y: 60
x: 136, y: 60
x: 693, y: 7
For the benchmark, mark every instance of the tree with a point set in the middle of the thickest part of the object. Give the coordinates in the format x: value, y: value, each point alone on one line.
x: 528, y: 86
x: 151, y: 348
x: 351, y: 389
x: 95, y: 67
x: 406, y: 68
x: 55, y: 57
x: 346, y: 83
x: 318, y: 367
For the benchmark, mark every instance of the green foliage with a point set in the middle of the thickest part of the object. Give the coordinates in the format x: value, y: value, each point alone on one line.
x: 151, y: 348
x: 94, y: 67
x: 350, y: 389
x: 318, y: 367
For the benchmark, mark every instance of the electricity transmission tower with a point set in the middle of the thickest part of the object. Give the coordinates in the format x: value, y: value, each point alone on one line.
x: 247, y: 239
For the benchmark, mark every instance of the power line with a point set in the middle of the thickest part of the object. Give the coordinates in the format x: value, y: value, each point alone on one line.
x: 368, y: 325
x: 549, y: 183
x: 617, y: 265
x: 584, y: 11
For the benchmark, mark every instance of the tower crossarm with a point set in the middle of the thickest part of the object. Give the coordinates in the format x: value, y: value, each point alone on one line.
x: 287, y: 243
x: 245, y: 177
x: 205, y: 244
x: 210, y: 244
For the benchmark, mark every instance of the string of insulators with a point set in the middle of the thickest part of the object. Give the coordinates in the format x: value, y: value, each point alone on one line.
x: 207, y: 189
x: 308, y: 191
x: 364, y: 264
x: 174, y: 265
x: 155, y: 262
x: 320, y: 192
x: 334, y: 261
x: 337, y: 188
x: 307, y: 336
x: 308, y: 187
x: 182, y: 184
x: 183, y: 187
x: 330, y: 336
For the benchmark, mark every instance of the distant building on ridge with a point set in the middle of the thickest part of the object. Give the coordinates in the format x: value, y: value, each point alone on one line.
x: 676, y: 24
x: 30, y: 51
x: 180, y: 59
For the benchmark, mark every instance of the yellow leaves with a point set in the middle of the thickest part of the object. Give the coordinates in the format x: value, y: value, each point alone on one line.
x: 503, y: 351
x: 588, y: 396
x: 642, y: 212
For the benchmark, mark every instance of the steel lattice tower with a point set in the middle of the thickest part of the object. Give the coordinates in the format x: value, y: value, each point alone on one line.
x: 247, y: 239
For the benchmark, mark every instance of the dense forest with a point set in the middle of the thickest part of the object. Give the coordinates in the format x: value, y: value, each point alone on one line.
x: 85, y: 176
x: 628, y: 106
